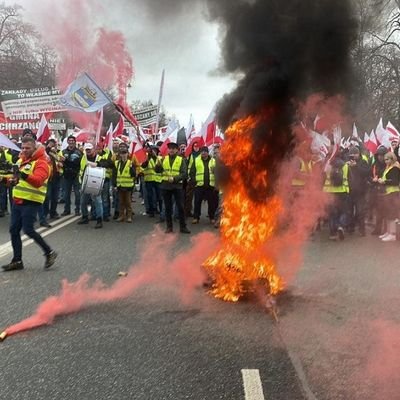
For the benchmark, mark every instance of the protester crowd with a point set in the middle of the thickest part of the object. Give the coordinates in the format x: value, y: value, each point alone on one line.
x: 363, y: 187
x: 171, y: 186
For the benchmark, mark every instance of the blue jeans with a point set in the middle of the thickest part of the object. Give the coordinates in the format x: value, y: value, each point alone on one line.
x: 98, y: 204
x: 338, y: 212
x: 50, y: 204
x: 153, y: 195
x: 105, y: 195
x: 24, y: 217
x: 3, y: 197
x: 70, y: 183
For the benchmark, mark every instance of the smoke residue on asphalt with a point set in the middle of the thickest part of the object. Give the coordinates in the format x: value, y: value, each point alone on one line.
x: 382, y: 368
x: 180, y: 272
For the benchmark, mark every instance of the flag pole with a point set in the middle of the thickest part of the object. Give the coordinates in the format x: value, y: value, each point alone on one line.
x: 159, y: 102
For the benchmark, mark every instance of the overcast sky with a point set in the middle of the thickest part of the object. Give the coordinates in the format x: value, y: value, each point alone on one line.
x: 170, y: 34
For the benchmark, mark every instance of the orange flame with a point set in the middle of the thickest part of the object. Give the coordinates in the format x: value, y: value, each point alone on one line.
x: 246, y: 225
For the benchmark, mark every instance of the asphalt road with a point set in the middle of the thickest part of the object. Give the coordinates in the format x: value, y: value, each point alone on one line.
x: 152, y: 345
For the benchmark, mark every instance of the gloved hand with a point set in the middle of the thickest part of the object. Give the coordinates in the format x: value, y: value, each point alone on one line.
x: 23, y: 176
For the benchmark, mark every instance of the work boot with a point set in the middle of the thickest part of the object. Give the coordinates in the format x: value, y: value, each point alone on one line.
x: 99, y: 224
x: 340, y: 233
x: 13, y: 266
x: 129, y: 219
x: 83, y: 221
x: 50, y: 259
x: 184, y: 230
x: 121, y: 219
x: 116, y: 215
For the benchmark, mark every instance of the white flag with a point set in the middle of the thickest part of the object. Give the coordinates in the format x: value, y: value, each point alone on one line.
x: 6, y: 142
x: 84, y: 94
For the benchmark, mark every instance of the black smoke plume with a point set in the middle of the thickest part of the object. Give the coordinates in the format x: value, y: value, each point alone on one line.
x: 284, y: 50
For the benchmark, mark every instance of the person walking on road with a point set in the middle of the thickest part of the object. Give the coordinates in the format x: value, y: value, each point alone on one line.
x: 29, y: 193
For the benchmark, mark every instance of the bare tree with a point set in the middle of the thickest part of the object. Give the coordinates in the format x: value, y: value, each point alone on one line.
x: 25, y: 61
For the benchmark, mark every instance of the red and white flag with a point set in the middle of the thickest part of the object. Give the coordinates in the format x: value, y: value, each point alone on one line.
x: 136, y: 150
x: 99, y: 125
x: 370, y: 142
x: 392, y: 131
x: 43, y: 132
x: 109, y: 137
x: 119, y: 128
x: 209, y: 128
x: 355, y: 132
x: 190, y: 131
x: 172, y: 138
x: 382, y: 135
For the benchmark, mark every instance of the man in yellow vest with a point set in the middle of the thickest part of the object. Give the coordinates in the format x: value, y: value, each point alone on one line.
x: 28, y: 195
x: 202, y: 173
x: 152, y: 181
x: 6, y: 162
x: 104, y: 156
x: 174, y: 171
x: 337, y: 185
x: 124, y: 175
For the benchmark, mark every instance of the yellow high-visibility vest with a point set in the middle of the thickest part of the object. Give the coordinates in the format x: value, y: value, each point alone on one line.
x: 390, y: 189
x: 171, y: 170
x: 24, y: 190
x: 124, y: 178
x: 199, y: 165
x: 344, y: 188
x: 304, y: 168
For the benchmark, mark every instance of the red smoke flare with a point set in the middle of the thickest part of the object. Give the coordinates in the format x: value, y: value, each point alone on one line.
x: 184, y: 273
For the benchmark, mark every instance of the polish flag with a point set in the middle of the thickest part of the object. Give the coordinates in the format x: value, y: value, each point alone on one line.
x: 190, y: 131
x: 172, y: 138
x: 370, y: 142
x: 392, y: 131
x: 355, y: 132
x: 119, y: 128
x: 99, y: 125
x: 109, y: 137
x: 136, y: 150
x: 209, y: 128
x: 43, y: 132
x: 219, y: 137
x: 172, y: 125
x: 382, y: 135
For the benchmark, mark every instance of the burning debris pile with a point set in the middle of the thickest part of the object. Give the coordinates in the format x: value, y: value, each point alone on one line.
x: 285, y: 52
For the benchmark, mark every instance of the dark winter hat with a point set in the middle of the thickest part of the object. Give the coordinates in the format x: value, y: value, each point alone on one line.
x: 172, y: 145
x: 29, y: 132
x: 382, y: 150
x: 204, y: 148
x: 354, y: 150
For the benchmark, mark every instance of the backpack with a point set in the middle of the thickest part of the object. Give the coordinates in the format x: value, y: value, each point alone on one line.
x: 336, y: 175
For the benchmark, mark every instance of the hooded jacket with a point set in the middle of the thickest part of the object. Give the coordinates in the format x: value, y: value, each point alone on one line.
x: 41, y: 171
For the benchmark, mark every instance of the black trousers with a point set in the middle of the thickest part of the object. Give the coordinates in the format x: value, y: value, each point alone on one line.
x: 357, y: 209
x: 210, y: 195
x: 169, y: 196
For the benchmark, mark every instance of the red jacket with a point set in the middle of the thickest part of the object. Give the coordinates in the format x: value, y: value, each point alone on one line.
x: 41, y: 171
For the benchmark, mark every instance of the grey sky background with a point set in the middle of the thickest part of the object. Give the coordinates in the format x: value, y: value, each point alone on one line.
x: 170, y: 34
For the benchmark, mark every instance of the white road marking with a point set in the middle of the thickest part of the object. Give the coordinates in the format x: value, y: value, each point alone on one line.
x: 6, y: 248
x: 252, y: 384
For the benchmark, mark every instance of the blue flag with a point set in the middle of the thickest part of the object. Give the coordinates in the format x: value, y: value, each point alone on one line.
x: 85, y: 95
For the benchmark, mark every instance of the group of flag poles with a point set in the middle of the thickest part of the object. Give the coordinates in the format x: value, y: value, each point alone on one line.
x: 85, y: 95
